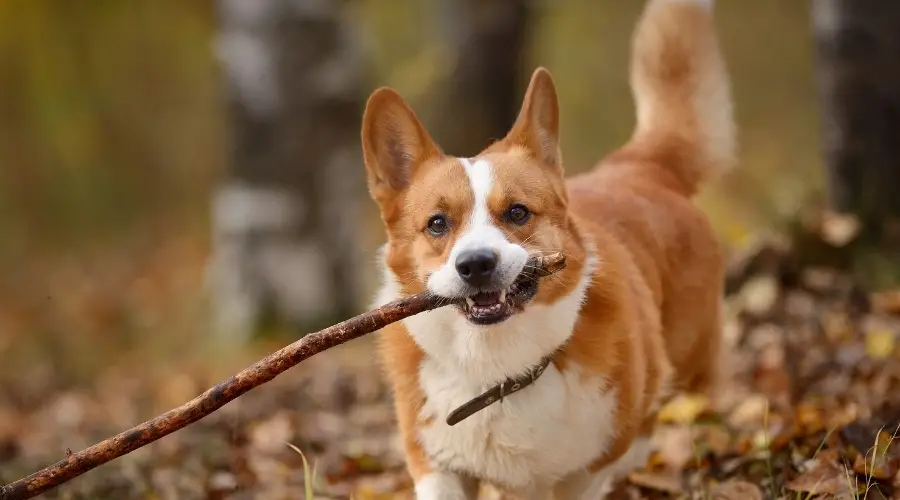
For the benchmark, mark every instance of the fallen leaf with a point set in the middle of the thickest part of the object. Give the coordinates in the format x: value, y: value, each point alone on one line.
x: 880, y: 343
x: 367, y: 493
x: 750, y: 412
x: 879, y: 467
x: 736, y: 233
x: 759, y: 295
x: 657, y: 481
x: 270, y: 435
x: 823, y: 476
x: 223, y: 481
x: 737, y: 490
x: 718, y: 440
x: 839, y: 229
x: 880, y: 461
x: 819, y: 279
x: 683, y: 409
x: 886, y: 302
x: 809, y: 418
x: 674, y: 447
x: 837, y: 326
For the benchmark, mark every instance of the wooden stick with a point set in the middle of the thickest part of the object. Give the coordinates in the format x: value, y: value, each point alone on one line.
x: 259, y: 373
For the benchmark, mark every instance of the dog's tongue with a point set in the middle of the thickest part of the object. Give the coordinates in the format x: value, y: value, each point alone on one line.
x: 486, y: 298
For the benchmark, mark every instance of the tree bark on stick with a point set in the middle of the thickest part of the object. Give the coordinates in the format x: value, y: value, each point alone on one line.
x: 259, y: 373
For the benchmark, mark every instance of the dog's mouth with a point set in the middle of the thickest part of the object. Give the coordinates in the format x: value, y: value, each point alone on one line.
x: 494, y: 306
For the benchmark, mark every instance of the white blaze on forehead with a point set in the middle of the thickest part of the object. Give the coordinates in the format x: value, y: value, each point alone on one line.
x: 480, y: 233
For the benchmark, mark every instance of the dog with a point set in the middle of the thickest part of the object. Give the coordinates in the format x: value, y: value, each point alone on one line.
x: 549, y: 387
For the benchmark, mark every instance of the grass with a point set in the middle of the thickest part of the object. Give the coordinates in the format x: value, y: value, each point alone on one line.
x: 309, y: 474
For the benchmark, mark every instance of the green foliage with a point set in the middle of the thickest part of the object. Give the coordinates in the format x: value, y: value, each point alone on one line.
x: 111, y: 116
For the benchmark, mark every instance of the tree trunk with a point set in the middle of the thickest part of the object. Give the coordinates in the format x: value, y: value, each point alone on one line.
x: 479, y: 101
x: 285, y: 245
x: 857, y: 44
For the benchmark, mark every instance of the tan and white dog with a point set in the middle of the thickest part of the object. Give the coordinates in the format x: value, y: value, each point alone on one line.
x: 551, y: 387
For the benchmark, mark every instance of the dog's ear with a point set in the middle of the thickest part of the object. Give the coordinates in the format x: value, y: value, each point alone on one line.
x: 395, y: 144
x: 537, y: 126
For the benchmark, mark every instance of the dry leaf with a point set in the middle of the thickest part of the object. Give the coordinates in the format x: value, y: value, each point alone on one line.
x: 880, y: 343
x: 837, y: 326
x: 665, y: 482
x: 880, y: 461
x: 718, y: 440
x: 809, y: 418
x: 674, y: 447
x: 683, y: 409
x: 750, y: 412
x: 819, y: 279
x: 886, y: 302
x: 879, y: 467
x: 839, y: 229
x: 823, y: 477
x: 759, y: 295
x: 737, y: 490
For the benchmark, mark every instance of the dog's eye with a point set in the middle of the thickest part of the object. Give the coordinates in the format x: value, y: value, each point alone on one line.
x: 518, y: 214
x: 437, y: 225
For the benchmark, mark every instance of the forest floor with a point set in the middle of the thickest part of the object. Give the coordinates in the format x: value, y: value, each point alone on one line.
x: 811, y: 409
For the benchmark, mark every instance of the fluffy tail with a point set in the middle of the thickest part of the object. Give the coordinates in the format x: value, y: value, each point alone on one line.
x: 682, y: 92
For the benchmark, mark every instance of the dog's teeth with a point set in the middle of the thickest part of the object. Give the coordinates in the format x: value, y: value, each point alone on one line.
x: 502, y: 296
x: 470, y: 301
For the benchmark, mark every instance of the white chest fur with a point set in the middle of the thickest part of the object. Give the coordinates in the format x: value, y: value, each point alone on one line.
x: 537, y: 435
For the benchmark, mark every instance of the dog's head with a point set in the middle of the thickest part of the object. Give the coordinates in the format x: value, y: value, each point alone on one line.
x: 464, y: 227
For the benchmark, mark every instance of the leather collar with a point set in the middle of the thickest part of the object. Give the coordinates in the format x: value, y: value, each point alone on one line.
x: 497, y: 393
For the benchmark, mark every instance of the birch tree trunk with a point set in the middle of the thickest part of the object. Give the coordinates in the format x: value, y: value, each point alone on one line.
x: 857, y: 46
x: 285, y: 244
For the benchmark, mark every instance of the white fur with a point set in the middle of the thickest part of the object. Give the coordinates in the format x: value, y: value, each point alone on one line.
x: 584, y: 485
x: 530, y: 440
x: 482, y: 356
x: 444, y: 486
x: 535, y: 437
x: 481, y: 233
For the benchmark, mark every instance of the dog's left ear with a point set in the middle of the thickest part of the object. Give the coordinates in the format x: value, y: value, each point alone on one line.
x: 537, y: 126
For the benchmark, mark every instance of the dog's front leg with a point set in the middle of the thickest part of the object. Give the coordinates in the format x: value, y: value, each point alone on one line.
x: 536, y: 492
x: 446, y: 486
x: 586, y: 485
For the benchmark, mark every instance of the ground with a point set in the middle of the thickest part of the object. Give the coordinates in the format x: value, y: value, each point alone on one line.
x: 810, y: 408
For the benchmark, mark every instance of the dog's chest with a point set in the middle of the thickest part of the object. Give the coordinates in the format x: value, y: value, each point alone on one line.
x: 558, y: 424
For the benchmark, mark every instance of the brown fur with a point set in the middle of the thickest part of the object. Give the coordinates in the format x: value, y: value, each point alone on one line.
x: 651, y: 317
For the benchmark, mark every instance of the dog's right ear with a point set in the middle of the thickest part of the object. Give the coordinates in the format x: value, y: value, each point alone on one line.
x: 395, y: 144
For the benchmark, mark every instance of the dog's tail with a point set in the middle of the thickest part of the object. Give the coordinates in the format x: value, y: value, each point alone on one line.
x: 682, y: 93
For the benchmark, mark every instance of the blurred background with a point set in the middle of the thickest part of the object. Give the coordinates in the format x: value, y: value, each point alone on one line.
x: 181, y: 185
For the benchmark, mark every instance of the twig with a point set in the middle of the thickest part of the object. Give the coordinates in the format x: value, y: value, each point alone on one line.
x: 259, y: 373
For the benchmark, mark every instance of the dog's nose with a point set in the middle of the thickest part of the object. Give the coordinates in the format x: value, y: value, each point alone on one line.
x: 476, y: 267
